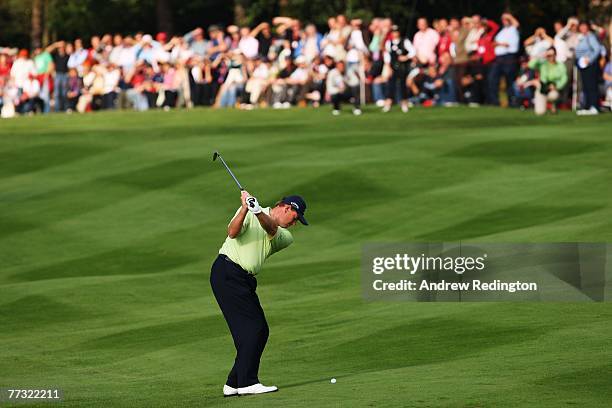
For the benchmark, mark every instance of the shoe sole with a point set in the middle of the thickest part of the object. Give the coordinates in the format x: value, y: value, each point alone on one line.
x: 230, y: 395
x: 257, y: 393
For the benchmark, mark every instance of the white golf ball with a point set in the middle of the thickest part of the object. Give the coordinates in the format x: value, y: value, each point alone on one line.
x: 333, y: 380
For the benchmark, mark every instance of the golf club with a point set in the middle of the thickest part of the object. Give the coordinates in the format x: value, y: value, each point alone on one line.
x: 215, y: 155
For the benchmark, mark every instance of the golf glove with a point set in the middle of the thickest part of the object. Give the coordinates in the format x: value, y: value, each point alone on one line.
x: 253, y: 205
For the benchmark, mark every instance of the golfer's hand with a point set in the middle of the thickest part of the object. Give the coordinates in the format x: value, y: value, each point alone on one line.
x: 253, y: 205
x: 243, y: 196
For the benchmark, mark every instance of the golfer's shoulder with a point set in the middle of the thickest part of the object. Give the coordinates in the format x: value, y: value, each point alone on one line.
x: 283, y: 237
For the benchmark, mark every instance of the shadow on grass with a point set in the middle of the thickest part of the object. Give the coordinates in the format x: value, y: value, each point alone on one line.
x: 36, y: 310
x: 123, y: 261
x: 594, y: 380
x: 350, y: 187
x: 160, y: 176
x: 134, y: 342
x: 426, y: 341
x: 35, y: 158
x: 280, y: 274
x: 62, y: 204
x: 506, y: 219
x: 9, y: 226
x: 525, y: 151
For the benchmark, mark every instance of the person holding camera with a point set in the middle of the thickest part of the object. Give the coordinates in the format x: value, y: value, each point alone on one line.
x: 551, y: 79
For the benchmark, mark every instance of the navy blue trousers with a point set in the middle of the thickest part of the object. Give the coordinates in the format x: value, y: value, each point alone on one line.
x: 504, y: 66
x: 589, y: 76
x: 234, y: 289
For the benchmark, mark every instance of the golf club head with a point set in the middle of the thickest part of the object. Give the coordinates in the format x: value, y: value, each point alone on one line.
x: 215, y: 154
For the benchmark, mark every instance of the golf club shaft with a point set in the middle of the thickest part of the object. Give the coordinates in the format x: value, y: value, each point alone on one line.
x: 230, y: 172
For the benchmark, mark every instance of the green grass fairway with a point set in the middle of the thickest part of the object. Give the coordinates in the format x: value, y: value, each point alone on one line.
x: 109, y: 224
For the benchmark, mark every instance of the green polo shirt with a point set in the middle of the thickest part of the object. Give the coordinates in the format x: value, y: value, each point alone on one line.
x: 550, y: 72
x: 42, y: 62
x: 253, y: 245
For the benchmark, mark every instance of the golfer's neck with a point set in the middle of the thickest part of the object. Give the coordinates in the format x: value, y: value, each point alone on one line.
x: 273, y: 215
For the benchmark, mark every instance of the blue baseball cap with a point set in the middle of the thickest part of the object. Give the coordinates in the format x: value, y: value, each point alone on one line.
x: 298, y: 204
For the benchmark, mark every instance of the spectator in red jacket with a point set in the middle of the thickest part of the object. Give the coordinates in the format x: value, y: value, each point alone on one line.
x: 486, y: 50
x: 445, y: 42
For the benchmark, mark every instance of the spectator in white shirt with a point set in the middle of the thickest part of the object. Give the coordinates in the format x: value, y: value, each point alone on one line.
x: 310, y: 44
x: 181, y: 52
x: 116, y: 51
x: 507, y: 42
x: 537, y: 44
x: 21, y: 70
x: 259, y: 80
x: 248, y: 44
x: 331, y: 39
x: 339, y: 90
x: 561, y: 46
x: 356, y: 40
x: 569, y: 33
x: 29, y: 100
x: 127, y: 55
x: 399, y: 53
x: 564, y: 56
x: 471, y: 41
x: 112, y: 75
x: 10, y: 98
x: 197, y: 43
x: 297, y: 83
x: 78, y: 57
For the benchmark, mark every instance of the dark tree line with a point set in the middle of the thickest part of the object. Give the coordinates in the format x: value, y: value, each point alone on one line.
x: 33, y: 22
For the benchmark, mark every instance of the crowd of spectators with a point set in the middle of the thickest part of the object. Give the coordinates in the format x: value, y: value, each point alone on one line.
x: 287, y: 63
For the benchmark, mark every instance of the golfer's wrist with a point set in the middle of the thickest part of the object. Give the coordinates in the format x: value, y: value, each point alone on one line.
x: 267, y: 223
x: 253, y: 205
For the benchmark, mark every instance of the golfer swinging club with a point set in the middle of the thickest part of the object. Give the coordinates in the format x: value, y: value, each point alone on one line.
x: 253, y: 235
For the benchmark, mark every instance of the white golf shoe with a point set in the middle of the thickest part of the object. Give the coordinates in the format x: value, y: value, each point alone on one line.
x: 256, y: 389
x: 229, y: 391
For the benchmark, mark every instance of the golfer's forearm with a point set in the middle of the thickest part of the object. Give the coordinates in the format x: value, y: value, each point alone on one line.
x: 267, y: 223
x: 236, y: 224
